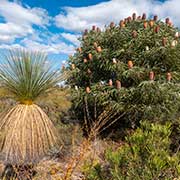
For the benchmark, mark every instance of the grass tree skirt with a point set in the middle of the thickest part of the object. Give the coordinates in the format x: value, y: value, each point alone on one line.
x: 27, y: 135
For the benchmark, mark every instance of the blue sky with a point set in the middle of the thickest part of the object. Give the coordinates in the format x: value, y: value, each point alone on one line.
x: 53, y: 26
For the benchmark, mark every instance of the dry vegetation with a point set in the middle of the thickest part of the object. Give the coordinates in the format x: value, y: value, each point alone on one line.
x: 55, y: 104
x: 75, y: 151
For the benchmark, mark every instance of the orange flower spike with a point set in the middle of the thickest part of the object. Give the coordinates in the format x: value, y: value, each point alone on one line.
x: 118, y: 84
x: 151, y: 23
x: 121, y: 24
x: 93, y: 28
x: 177, y: 35
x: 79, y: 49
x: 129, y: 19
x: 114, y: 61
x: 145, y: 24
x: 151, y: 75
x: 144, y: 16
x: 168, y: 76
x: 170, y: 24
x: 174, y: 43
x: 89, y: 71
x: 85, y: 60
x: 134, y: 34
x: 134, y: 16
x: 139, y: 17
x: 99, y: 49
x: 112, y: 25
x: 155, y: 18
x: 63, y: 67
x: 90, y: 56
x: 130, y: 64
x: 95, y: 44
x: 157, y: 28
x: 88, y: 90
x: 85, y: 37
x: 164, y: 41
x: 147, y: 48
x: 73, y: 66
x: 85, y: 32
x: 98, y: 29
x: 110, y: 83
x: 125, y: 20
x: 167, y: 20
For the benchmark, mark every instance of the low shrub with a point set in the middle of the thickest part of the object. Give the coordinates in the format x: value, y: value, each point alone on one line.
x: 145, y: 155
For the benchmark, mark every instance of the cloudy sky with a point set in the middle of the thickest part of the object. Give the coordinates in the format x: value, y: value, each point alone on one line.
x: 53, y: 26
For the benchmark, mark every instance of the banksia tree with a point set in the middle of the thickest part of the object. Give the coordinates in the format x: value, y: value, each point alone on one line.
x: 27, y: 134
x: 143, y: 57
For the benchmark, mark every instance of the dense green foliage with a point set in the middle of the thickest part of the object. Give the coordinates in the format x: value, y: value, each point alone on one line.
x: 134, y: 68
x: 145, y: 155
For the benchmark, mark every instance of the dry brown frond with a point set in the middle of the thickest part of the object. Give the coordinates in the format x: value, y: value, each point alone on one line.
x: 27, y: 134
x: 103, y: 121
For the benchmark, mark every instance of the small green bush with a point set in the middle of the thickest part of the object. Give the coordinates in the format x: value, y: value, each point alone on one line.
x: 144, y: 156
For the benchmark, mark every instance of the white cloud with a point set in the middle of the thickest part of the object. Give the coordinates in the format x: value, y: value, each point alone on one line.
x: 19, y: 20
x: 77, y: 19
x: 54, y: 48
x: 10, y: 31
x: 72, y: 38
x: 13, y: 29
x: 15, y: 13
x: 6, y: 46
x: 5, y: 38
x: 80, y: 18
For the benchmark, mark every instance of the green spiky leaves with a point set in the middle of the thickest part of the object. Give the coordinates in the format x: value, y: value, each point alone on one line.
x: 27, y: 75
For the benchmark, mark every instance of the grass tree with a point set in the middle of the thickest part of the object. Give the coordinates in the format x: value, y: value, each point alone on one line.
x: 27, y: 134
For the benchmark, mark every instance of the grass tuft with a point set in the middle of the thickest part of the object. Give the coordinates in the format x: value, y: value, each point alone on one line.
x: 27, y: 75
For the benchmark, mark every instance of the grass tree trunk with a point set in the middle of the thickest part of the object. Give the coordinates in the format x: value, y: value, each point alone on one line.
x: 27, y: 134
